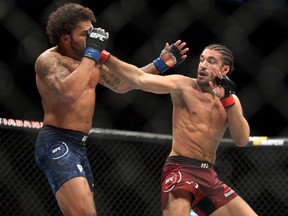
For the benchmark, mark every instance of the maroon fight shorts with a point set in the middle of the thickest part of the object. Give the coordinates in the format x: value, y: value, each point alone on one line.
x: 198, y: 177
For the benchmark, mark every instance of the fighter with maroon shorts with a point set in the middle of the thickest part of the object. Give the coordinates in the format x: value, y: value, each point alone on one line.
x: 203, y: 109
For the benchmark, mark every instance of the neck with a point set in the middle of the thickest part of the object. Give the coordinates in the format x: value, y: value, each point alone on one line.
x: 206, y: 89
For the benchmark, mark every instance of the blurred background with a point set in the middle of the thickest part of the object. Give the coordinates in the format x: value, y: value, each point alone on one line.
x: 255, y: 30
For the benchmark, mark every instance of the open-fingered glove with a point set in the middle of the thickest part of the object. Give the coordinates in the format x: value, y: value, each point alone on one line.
x: 96, y: 42
x: 229, y: 89
x: 175, y: 54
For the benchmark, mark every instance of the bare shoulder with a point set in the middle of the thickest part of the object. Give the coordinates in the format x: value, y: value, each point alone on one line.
x: 51, y: 62
x: 182, y: 79
x: 46, y: 62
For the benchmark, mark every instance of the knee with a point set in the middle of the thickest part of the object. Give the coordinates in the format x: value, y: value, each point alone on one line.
x: 79, y: 209
x: 85, y: 210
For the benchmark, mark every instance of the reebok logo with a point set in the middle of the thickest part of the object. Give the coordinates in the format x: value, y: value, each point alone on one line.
x: 229, y: 193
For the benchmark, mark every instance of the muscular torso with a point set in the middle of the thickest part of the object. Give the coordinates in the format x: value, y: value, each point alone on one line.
x: 199, y: 122
x: 59, y: 112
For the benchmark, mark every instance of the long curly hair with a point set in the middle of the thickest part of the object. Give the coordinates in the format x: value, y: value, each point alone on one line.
x: 65, y: 18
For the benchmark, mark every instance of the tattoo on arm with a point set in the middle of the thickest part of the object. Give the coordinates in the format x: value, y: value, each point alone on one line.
x: 51, y: 71
x: 109, y: 79
x: 113, y: 84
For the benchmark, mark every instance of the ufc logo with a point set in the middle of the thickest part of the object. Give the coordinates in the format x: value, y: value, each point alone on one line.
x: 171, y: 179
x: 96, y: 35
x: 56, y: 149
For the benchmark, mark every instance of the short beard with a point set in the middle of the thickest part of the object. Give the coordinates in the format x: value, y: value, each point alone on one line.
x: 202, y: 83
x: 79, y: 51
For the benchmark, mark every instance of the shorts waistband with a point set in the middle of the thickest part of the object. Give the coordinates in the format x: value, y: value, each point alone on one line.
x: 189, y: 161
x: 77, y: 134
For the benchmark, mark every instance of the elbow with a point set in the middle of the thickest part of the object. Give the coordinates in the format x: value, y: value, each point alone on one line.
x: 241, y: 141
x: 122, y: 91
x: 126, y: 87
x: 69, y: 97
x: 122, y: 88
x: 242, y: 138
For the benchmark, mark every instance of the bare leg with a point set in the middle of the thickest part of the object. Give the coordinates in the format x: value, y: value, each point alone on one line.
x: 179, y: 203
x: 236, y: 207
x: 76, y: 198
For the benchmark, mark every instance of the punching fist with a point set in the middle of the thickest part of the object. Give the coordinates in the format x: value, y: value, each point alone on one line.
x: 96, y: 42
x: 171, y: 56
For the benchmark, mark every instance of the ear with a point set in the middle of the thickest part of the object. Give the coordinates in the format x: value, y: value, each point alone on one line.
x: 65, y: 38
x: 225, y: 69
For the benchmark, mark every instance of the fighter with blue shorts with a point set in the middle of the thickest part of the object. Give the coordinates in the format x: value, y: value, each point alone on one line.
x: 61, y: 155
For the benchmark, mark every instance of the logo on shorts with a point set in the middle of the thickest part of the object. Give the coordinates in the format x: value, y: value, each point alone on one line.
x: 194, y: 183
x: 59, y: 150
x: 228, y: 191
x: 84, y: 138
x: 80, y: 167
x: 204, y: 165
x: 171, y: 180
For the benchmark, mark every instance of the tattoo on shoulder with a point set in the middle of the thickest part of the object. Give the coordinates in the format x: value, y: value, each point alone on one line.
x: 42, y: 68
x: 51, y: 69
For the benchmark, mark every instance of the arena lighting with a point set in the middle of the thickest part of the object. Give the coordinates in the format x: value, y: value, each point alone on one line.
x: 231, y: 1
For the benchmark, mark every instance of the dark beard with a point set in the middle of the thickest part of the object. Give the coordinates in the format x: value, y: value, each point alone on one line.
x: 202, y: 83
x: 79, y: 51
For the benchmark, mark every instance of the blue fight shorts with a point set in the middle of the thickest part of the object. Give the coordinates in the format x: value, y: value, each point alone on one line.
x: 61, y: 154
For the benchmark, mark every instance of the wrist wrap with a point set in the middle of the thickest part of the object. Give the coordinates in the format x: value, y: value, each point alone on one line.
x: 92, y: 53
x: 160, y: 65
x: 104, y: 56
x: 227, y: 101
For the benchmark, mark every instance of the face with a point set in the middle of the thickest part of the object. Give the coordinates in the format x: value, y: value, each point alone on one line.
x: 78, y: 39
x: 210, y: 60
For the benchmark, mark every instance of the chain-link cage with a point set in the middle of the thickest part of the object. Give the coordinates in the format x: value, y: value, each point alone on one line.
x: 127, y: 168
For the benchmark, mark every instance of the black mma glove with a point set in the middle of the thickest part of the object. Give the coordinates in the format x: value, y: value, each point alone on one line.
x: 175, y: 54
x: 229, y: 89
x: 96, y: 42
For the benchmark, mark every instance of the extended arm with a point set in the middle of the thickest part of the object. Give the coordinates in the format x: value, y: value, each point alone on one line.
x: 138, y: 79
x: 171, y: 56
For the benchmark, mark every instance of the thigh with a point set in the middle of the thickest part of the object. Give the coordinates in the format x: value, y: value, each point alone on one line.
x: 179, y: 203
x: 236, y: 206
x: 74, y: 193
x: 63, y: 165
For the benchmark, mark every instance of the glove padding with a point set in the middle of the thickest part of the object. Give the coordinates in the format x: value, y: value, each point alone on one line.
x: 175, y: 54
x: 96, y: 42
x: 228, y: 85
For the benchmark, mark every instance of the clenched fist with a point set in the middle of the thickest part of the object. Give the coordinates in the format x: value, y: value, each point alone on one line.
x: 96, y: 42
